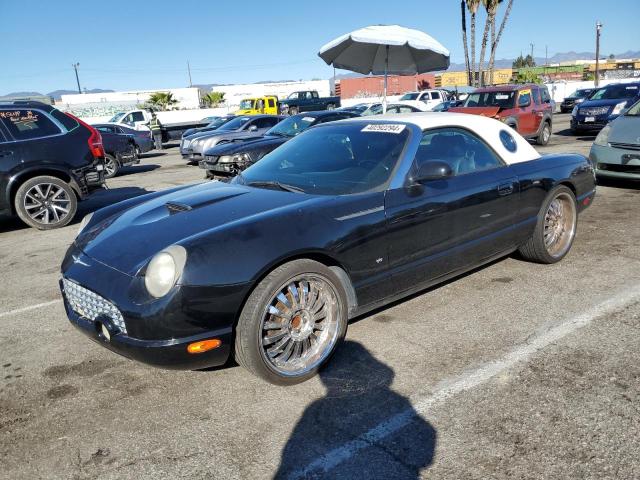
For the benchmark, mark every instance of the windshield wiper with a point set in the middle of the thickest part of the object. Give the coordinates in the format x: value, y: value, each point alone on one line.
x: 273, y: 183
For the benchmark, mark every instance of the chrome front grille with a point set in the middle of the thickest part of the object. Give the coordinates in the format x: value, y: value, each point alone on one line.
x: 594, y: 111
x: 91, y: 305
x: 625, y: 146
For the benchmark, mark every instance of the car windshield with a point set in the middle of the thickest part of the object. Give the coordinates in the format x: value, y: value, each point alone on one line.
x: 292, y: 126
x: 334, y: 159
x: 246, y: 104
x: 491, y: 99
x: 634, y: 110
x: 580, y: 94
x: 410, y: 96
x: 373, y: 110
x: 218, y: 122
x: 235, y: 123
x: 117, y: 117
x: 613, y: 92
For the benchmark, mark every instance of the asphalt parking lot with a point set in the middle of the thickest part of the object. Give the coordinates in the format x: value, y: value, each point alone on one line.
x: 516, y: 370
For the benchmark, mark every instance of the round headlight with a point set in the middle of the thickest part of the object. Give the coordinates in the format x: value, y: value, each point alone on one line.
x: 164, y: 269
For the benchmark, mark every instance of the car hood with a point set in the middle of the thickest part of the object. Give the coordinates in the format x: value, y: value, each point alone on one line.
x: 602, y: 103
x: 208, y: 133
x: 127, y: 240
x: 484, y: 111
x: 246, y: 146
x: 625, y: 129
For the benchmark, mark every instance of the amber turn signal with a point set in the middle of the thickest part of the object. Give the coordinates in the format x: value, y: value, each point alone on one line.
x: 203, y: 345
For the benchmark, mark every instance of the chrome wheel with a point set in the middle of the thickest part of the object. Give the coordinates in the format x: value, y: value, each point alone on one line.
x: 300, y: 325
x: 546, y: 134
x: 560, y: 225
x: 47, y: 203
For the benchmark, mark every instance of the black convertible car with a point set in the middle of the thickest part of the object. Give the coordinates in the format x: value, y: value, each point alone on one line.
x: 342, y: 219
x: 229, y: 159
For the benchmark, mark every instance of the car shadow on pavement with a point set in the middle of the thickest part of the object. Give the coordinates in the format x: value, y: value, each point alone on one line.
x: 152, y: 154
x: 361, y: 428
x: 583, y: 137
x: 131, y: 169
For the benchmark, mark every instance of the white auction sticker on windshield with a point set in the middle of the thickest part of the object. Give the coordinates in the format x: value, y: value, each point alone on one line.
x: 308, y: 119
x: 384, y: 127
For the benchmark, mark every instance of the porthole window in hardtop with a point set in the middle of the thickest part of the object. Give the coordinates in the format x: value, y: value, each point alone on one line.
x: 508, y: 141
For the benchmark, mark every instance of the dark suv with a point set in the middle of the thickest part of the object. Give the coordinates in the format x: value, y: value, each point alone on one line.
x: 604, y: 105
x: 48, y: 160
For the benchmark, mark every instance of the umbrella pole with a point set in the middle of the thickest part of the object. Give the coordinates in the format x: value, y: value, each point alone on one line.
x: 386, y: 68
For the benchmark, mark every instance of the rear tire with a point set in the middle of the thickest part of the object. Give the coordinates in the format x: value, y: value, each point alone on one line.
x: 46, y: 202
x: 293, y: 110
x: 555, y: 229
x: 331, y: 106
x: 292, y: 323
x: 545, y: 134
x: 111, y: 166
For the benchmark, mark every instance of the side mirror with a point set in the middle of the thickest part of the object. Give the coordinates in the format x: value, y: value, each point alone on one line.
x: 524, y: 101
x: 434, y: 170
x: 253, y: 128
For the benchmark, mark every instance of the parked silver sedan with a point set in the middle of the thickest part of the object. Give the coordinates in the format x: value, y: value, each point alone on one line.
x: 615, y: 153
x: 240, y: 128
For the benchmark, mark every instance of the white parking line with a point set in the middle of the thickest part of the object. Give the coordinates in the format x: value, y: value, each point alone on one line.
x: 30, y: 307
x: 448, y: 388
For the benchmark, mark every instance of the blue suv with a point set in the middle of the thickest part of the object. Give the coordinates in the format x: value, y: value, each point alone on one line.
x: 603, y: 106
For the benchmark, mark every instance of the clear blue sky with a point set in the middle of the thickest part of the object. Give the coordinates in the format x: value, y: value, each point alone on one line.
x: 138, y: 44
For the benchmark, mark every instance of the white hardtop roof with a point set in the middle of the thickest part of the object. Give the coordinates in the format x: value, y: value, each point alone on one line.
x: 486, y: 128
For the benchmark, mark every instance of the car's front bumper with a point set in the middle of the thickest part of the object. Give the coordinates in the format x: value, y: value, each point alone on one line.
x: 170, y: 353
x: 156, y: 332
x: 615, y: 162
x: 585, y: 122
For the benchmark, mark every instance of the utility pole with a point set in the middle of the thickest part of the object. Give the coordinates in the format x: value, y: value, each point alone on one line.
x: 75, y: 67
x: 546, y: 55
x: 596, y: 82
x: 189, y: 70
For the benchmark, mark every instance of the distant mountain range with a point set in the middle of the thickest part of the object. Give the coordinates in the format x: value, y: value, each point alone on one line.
x: 501, y: 63
x: 56, y: 94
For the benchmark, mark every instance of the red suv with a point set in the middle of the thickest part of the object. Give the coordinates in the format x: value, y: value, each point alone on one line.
x: 525, y: 108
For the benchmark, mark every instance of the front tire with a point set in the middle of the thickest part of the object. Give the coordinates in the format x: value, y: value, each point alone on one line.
x: 111, y: 166
x: 293, y: 111
x: 292, y: 323
x: 46, y: 202
x: 555, y: 229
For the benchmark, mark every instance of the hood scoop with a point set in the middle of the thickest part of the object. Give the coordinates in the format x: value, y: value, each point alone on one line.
x: 175, y: 207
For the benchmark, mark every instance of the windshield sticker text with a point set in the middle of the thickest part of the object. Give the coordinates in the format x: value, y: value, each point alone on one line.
x: 384, y: 127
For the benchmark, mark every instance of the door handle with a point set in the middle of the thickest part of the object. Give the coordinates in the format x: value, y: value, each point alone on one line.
x: 505, y: 189
x: 5, y: 153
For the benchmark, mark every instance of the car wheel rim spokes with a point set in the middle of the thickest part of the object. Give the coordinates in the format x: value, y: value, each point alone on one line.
x: 109, y: 166
x: 559, y: 225
x: 47, y: 203
x: 546, y: 134
x: 300, y: 325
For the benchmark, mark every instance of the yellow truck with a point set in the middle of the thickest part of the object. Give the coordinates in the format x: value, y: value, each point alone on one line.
x: 258, y: 106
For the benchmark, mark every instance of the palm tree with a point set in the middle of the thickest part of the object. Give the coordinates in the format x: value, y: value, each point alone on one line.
x: 472, y: 6
x: 463, y: 12
x: 162, y: 100
x: 491, y: 6
x: 494, y: 44
x: 213, y: 99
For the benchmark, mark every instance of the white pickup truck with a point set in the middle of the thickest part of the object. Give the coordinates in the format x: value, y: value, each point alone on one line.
x: 425, y: 100
x: 173, y: 123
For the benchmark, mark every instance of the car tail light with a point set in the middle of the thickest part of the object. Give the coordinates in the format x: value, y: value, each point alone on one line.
x: 95, y: 139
